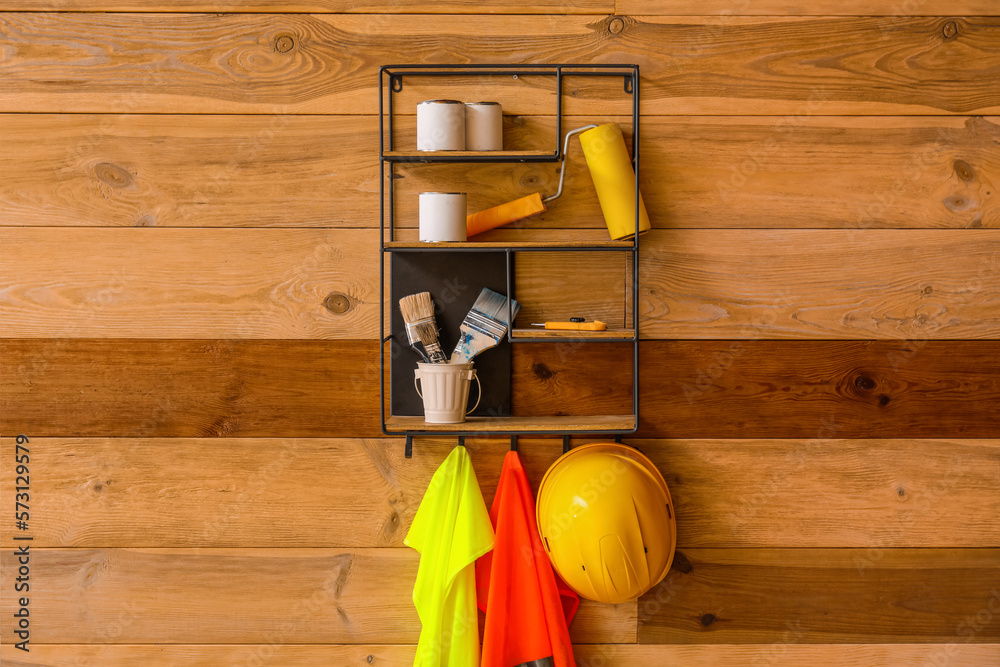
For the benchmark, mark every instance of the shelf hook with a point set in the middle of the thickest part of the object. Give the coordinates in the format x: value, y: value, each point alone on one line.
x: 565, y: 444
x: 513, y: 443
x: 409, y: 446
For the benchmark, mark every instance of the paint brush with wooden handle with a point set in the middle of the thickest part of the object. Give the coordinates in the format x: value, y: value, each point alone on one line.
x: 485, y: 325
x: 421, y: 327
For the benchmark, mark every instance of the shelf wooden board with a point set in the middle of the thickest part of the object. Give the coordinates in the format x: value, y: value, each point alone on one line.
x: 500, y: 245
x: 591, y: 424
x: 453, y: 156
x: 538, y: 332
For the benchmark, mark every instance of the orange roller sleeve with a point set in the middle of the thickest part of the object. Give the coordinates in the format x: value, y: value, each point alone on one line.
x: 503, y: 214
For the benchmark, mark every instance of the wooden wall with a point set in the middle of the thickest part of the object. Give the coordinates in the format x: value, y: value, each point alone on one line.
x: 183, y: 185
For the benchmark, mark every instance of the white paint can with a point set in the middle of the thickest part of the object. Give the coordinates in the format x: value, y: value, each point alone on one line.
x: 442, y: 216
x: 440, y: 125
x: 483, y: 126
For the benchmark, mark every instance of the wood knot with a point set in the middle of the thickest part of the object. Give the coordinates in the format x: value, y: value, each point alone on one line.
x: 337, y: 303
x: 901, y: 493
x: 958, y: 203
x: 883, y: 400
x: 681, y: 563
x: 113, y: 175
x: 541, y: 371
x: 928, y: 290
x: 370, y: 659
x: 616, y: 26
x: 708, y: 619
x: 965, y: 170
x: 864, y: 383
x: 950, y: 30
x: 284, y: 44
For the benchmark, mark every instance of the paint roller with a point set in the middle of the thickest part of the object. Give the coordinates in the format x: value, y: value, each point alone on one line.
x: 613, y: 176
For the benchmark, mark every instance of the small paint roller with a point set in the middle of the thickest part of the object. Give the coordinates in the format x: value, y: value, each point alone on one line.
x: 524, y: 207
x: 614, y: 179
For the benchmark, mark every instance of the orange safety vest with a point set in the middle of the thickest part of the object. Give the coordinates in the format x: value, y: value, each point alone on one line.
x: 528, y: 608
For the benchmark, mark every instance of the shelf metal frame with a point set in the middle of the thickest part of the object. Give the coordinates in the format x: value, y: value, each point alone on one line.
x: 391, y: 81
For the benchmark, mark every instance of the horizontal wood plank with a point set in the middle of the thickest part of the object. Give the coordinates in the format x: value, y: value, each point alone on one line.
x: 689, y: 389
x: 853, y: 284
x: 786, y: 655
x: 224, y: 596
x: 890, y: 9
x: 791, y: 596
x: 179, y: 492
x: 146, y: 388
x: 189, y: 283
x: 696, y: 172
x: 321, y: 6
x: 200, y: 63
x: 323, y: 284
x: 586, y: 655
x: 832, y: 493
x: 209, y: 655
x: 772, y: 389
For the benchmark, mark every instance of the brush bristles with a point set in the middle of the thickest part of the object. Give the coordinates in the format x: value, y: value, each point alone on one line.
x: 416, y: 307
x: 494, y: 306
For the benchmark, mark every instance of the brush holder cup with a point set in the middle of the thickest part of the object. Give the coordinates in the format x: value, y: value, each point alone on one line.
x: 446, y: 391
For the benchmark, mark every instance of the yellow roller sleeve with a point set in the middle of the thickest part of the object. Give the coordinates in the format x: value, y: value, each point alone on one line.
x: 614, y: 180
x: 503, y: 214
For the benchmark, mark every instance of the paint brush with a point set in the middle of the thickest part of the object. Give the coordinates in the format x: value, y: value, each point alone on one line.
x: 421, y: 327
x: 485, y: 325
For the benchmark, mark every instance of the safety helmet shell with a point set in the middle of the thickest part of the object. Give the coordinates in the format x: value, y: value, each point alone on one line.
x: 607, y: 522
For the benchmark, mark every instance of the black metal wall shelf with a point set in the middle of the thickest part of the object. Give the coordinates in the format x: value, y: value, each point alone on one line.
x: 391, y: 82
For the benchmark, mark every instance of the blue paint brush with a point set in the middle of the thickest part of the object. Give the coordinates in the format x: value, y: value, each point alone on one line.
x: 485, y: 325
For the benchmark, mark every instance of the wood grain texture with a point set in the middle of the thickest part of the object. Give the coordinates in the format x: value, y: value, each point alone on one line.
x: 694, y: 389
x: 276, y: 283
x: 193, y: 63
x: 773, y: 389
x: 696, y: 172
x: 189, y: 283
x: 319, y: 6
x: 189, y: 171
x: 832, y: 493
x: 148, y: 388
x: 853, y: 284
x: 790, y: 596
x: 236, y: 596
x: 120, y: 492
x: 555, y: 286
x: 587, y: 655
x: 892, y: 10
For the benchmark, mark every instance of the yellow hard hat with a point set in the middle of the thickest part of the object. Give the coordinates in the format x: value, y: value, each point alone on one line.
x: 606, y: 520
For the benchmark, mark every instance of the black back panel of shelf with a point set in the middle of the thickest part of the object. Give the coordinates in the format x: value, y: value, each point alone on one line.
x: 454, y: 280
